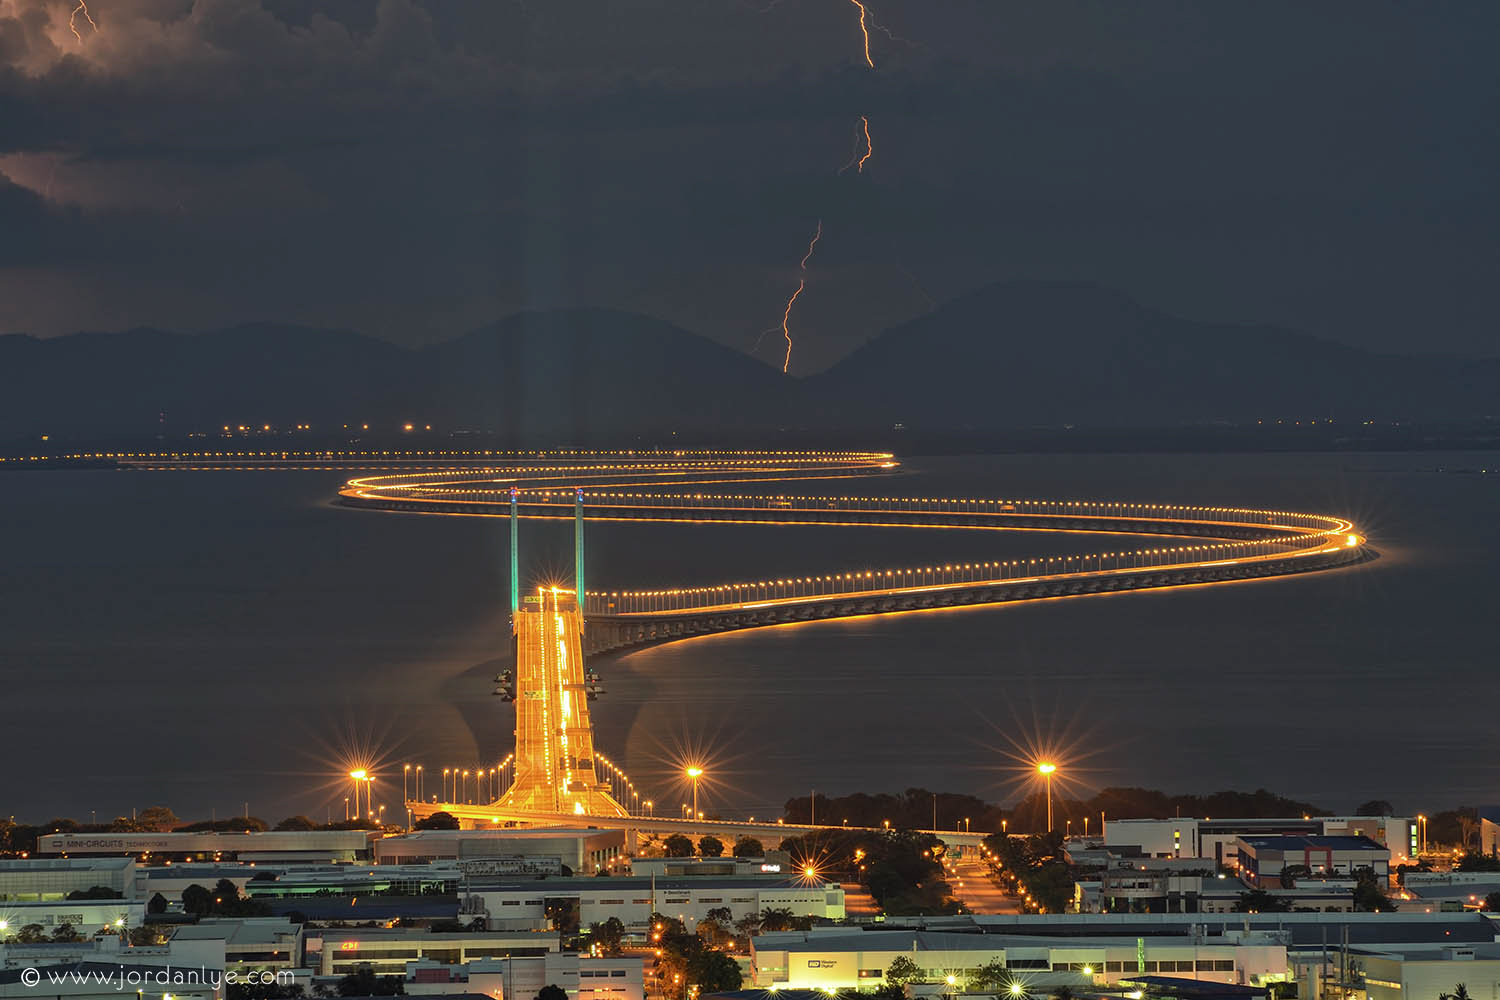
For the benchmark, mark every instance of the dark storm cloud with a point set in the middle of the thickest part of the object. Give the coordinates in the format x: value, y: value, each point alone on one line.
x: 416, y: 168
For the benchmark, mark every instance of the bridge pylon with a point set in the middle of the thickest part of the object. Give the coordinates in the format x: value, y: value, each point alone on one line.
x: 555, y: 769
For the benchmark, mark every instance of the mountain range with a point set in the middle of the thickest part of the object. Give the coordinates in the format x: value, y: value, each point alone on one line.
x: 1009, y: 355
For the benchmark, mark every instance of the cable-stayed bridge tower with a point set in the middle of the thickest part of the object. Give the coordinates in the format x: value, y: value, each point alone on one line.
x: 551, y: 688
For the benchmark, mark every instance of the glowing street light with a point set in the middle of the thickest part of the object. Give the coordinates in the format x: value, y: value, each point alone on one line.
x: 694, y: 773
x: 358, y: 776
x: 1046, y: 769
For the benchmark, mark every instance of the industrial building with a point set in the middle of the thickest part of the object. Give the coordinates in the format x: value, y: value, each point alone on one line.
x: 1214, y: 838
x: 1429, y: 972
x: 583, y: 851
x: 269, y: 845
x: 582, y: 976
x: 836, y: 959
x: 508, y: 903
x: 1261, y: 861
x: 341, y: 951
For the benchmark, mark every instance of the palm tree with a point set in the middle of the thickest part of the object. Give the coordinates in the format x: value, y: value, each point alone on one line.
x: 1460, y: 992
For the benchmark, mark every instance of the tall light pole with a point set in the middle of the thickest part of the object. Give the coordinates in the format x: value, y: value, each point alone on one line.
x: 358, y: 776
x: 694, y: 773
x: 445, y: 783
x: 1046, y: 769
x: 419, y: 782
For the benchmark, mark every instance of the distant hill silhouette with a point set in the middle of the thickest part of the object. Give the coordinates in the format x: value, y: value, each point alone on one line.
x: 1048, y: 353
x: 1011, y: 355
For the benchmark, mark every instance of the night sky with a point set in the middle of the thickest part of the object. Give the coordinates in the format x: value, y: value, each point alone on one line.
x: 415, y: 168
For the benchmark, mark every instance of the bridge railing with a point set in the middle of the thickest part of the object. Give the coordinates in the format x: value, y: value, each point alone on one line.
x: 1284, y: 532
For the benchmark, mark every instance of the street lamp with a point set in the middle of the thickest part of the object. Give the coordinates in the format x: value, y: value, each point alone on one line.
x: 358, y: 776
x: 694, y: 773
x: 1046, y: 769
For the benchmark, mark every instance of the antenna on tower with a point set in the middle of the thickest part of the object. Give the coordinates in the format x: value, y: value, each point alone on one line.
x: 578, y: 545
x: 515, y: 560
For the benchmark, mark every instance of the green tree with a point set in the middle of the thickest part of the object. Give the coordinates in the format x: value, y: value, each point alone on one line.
x: 678, y: 846
x: 1368, y: 894
x: 196, y: 899
x: 95, y: 892
x: 1260, y: 901
x: 437, y: 821
x: 710, y: 846
x: 714, y: 972
x: 1376, y: 807
x: 31, y: 934
x: 364, y: 983
x: 902, y: 971
x: 1291, y: 873
x: 776, y: 918
x: 156, y: 819
x: 552, y: 992
x: 147, y: 935
x: 608, y: 935
x: 157, y: 903
x: 988, y: 978
x: 66, y: 934
x: 1460, y: 992
x: 748, y: 847
x: 263, y: 991
x: 1492, y: 903
x: 296, y: 823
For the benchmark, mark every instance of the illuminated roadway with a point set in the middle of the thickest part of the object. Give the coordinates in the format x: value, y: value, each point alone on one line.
x: 1199, y: 544
x: 1185, y: 546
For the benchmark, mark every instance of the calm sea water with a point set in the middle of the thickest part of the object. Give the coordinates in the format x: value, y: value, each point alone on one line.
x: 205, y: 640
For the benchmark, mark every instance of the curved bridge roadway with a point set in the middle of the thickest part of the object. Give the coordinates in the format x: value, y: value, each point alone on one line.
x: 1198, y: 545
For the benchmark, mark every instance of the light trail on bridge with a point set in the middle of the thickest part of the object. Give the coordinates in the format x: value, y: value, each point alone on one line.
x: 1213, y: 544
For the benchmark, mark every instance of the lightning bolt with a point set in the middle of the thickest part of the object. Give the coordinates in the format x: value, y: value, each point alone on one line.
x: 801, y: 284
x: 863, y: 30
x: 858, y: 159
x: 887, y: 32
x: 83, y: 8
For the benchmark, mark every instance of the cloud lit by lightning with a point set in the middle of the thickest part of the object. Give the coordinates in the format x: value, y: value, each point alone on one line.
x: 801, y: 284
x: 82, y: 8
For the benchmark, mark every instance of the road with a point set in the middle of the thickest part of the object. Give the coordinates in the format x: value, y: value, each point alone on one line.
x: 971, y: 883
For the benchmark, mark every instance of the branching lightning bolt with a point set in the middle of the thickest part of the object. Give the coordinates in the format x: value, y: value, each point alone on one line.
x: 887, y: 32
x: 801, y: 284
x: 869, y: 145
x: 82, y: 7
x: 864, y: 30
x: 858, y: 159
